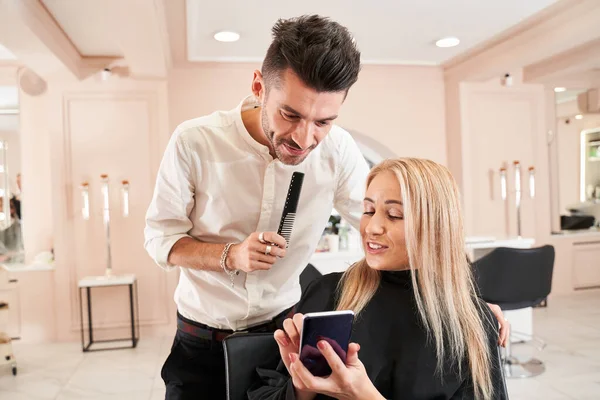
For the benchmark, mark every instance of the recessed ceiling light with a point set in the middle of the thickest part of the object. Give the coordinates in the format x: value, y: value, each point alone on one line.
x: 447, y: 42
x: 227, y: 36
x: 579, y: 116
x: 560, y: 89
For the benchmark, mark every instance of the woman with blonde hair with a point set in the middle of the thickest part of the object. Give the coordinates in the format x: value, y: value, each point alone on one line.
x: 422, y: 330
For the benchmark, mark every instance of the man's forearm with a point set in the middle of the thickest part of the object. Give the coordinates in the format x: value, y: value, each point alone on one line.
x: 191, y: 253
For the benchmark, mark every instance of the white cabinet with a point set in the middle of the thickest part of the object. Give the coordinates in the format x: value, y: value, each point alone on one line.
x: 586, y: 265
x: 9, y: 317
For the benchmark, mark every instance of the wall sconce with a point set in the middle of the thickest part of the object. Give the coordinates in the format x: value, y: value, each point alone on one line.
x: 517, y: 166
x: 125, y: 193
x: 85, y: 196
x: 106, y: 218
x: 532, y: 182
x: 503, y: 186
x: 507, y: 80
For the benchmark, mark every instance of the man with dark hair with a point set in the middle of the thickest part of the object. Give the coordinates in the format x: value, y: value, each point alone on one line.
x: 221, y: 189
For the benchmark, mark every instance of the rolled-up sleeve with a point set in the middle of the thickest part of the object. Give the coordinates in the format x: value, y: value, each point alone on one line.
x: 167, y: 218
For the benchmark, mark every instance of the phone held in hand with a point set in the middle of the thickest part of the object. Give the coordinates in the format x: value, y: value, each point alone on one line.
x: 335, y: 327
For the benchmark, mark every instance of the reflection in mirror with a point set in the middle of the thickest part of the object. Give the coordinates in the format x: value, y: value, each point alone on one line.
x: 11, y: 215
x: 578, y: 152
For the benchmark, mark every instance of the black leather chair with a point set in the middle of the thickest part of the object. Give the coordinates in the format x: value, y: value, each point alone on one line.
x: 515, y: 279
x: 246, y: 352
x: 243, y: 354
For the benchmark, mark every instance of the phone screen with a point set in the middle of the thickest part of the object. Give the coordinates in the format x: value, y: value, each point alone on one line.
x: 335, y: 328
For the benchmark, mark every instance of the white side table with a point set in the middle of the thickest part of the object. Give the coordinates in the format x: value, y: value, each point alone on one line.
x: 90, y: 282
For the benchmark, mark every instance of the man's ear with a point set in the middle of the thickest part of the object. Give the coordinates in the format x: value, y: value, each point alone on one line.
x: 258, y: 86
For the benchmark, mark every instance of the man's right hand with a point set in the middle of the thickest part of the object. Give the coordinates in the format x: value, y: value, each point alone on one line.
x: 250, y: 255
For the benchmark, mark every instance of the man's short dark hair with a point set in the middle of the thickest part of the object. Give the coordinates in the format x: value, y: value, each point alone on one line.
x: 320, y: 51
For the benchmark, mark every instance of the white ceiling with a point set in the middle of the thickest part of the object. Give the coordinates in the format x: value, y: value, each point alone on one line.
x: 85, y: 24
x: 5, y: 54
x: 387, y: 31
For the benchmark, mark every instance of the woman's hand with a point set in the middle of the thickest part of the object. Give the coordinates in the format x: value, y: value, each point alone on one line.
x: 504, y: 325
x: 288, y: 341
x: 348, y: 382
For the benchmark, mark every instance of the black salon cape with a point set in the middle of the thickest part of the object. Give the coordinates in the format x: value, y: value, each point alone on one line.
x: 394, y: 347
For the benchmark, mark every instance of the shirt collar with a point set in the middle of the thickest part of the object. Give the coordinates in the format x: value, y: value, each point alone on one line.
x: 249, y: 103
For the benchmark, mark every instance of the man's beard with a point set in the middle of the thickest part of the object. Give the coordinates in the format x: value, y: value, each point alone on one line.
x: 277, y: 144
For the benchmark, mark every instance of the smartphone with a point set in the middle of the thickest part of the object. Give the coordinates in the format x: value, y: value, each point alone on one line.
x: 335, y: 327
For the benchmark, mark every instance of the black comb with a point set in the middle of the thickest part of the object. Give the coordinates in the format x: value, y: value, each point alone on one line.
x: 291, y: 204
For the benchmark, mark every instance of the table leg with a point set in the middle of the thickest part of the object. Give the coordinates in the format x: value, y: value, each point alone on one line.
x: 133, y: 344
x: 81, y: 317
x: 89, y: 304
x: 137, y: 312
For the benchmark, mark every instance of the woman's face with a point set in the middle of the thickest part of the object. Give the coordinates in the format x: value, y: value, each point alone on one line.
x: 382, y: 224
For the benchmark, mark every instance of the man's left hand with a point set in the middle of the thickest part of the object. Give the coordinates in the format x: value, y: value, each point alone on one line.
x: 504, y: 325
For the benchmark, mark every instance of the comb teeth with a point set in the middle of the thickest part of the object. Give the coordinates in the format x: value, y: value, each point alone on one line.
x: 286, y: 227
x: 291, y: 205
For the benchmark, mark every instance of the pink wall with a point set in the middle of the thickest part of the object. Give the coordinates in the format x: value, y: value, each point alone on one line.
x: 400, y: 106
x: 499, y: 126
x: 118, y: 127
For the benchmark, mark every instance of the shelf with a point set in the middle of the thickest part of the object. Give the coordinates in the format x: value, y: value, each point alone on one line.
x: 18, y: 267
x: 593, y: 159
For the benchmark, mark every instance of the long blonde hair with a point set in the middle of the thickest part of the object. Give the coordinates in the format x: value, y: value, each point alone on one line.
x: 444, y: 291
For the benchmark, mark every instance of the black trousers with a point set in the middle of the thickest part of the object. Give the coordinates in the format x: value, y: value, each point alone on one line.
x: 195, y: 369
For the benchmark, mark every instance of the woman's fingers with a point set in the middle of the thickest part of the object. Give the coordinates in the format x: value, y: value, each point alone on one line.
x: 293, y: 334
x: 281, y: 338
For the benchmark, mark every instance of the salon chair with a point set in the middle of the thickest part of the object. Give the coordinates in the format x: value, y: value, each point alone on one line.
x: 515, y: 279
x: 244, y: 353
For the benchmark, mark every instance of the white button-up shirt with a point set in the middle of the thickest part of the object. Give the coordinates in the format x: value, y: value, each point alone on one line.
x: 218, y: 185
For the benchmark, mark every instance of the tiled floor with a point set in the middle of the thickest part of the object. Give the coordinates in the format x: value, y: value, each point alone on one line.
x: 570, y: 326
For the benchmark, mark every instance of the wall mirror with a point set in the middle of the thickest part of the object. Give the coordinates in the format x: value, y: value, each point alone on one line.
x: 577, y: 156
x: 11, y: 213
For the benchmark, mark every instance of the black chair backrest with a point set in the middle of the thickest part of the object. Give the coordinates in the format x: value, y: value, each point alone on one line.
x: 515, y: 278
x: 309, y: 274
x: 243, y: 354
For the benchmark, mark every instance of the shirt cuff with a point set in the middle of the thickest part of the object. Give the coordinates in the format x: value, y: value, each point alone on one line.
x: 162, y: 249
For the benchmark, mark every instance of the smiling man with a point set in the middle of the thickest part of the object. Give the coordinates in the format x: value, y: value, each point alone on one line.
x: 221, y: 189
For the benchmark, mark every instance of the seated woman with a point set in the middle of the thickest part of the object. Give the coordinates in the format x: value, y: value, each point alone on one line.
x: 422, y: 330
